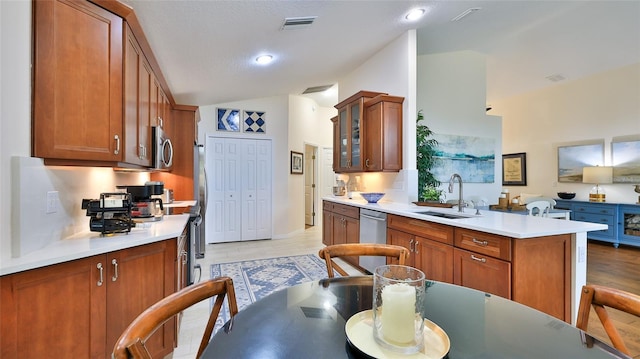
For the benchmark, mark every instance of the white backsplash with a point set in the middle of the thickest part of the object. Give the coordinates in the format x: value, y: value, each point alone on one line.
x: 31, y: 227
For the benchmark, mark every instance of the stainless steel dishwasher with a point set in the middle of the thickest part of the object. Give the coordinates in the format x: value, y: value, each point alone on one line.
x: 373, y: 229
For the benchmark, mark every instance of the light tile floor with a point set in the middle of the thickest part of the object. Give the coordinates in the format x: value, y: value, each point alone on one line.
x: 195, y: 318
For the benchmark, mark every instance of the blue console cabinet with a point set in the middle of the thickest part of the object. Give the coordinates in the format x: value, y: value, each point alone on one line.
x: 623, y: 220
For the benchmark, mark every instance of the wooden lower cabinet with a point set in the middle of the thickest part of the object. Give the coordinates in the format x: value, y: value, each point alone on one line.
x: 482, y: 273
x: 81, y: 307
x: 534, y: 271
x: 341, y: 224
x: 433, y: 258
x: 327, y: 223
x: 430, y: 245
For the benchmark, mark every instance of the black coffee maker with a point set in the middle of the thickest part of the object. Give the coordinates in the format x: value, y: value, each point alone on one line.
x: 144, y: 208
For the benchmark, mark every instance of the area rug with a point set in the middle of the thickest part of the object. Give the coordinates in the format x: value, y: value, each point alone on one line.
x: 254, y: 280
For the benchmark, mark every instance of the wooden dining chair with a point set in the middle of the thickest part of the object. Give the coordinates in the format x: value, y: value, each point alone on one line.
x: 539, y: 208
x: 131, y: 343
x: 399, y: 253
x: 599, y: 297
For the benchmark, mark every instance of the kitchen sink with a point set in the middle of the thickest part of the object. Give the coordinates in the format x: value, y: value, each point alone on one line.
x: 442, y: 215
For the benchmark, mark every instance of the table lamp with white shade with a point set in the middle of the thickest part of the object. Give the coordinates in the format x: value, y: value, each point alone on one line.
x: 597, y: 175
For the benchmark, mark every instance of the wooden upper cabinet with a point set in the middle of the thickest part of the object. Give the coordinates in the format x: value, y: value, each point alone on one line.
x: 349, y: 136
x: 382, y: 140
x: 368, y: 133
x: 138, y: 78
x: 77, y: 82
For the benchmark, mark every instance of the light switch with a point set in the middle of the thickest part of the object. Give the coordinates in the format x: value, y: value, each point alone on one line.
x: 52, y: 201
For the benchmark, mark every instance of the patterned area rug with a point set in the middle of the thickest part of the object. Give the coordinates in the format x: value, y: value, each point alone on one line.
x: 253, y: 280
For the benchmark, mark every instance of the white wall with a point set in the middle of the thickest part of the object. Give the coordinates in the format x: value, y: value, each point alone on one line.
x: 599, y: 107
x: 392, y: 70
x: 15, y: 101
x: 291, y: 122
x: 452, y: 96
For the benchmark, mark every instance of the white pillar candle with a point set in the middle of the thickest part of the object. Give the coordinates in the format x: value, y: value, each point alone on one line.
x: 398, y: 312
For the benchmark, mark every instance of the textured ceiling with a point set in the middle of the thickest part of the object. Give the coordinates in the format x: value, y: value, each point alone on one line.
x: 206, y: 48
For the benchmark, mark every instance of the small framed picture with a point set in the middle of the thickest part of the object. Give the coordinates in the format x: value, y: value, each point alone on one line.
x: 296, y: 163
x: 514, y: 169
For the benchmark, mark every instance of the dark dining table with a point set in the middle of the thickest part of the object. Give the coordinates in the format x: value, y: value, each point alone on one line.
x: 308, y: 321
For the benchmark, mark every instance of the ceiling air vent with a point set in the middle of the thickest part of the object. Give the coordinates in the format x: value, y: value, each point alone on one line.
x: 292, y: 23
x: 317, y: 89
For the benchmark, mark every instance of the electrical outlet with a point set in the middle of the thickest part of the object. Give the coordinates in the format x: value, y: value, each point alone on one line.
x: 52, y: 201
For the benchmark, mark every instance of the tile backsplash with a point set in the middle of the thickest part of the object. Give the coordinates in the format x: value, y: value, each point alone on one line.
x: 31, y: 226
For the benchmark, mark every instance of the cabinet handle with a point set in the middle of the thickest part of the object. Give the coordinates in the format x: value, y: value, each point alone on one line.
x: 184, y: 257
x: 141, y: 151
x: 411, y: 248
x: 480, y: 243
x: 160, y: 122
x: 101, y: 273
x: 115, y: 270
x: 483, y: 260
x: 415, y: 247
x: 117, y: 138
x: 366, y: 163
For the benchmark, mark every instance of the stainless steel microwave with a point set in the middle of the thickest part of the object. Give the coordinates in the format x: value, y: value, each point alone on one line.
x: 162, y: 149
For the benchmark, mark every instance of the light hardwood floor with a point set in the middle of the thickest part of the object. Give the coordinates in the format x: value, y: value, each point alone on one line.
x: 606, y: 265
x: 618, y: 268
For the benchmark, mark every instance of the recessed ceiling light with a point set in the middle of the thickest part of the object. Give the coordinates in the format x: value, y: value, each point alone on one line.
x: 415, y: 14
x: 264, y: 59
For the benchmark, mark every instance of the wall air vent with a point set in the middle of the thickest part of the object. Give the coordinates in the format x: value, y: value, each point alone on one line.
x: 292, y: 23
x: 317, y: 89
x: 555, y: 78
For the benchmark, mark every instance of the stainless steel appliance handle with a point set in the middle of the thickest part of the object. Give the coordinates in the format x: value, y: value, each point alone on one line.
x: 374, y: 218
x: 167, y: 161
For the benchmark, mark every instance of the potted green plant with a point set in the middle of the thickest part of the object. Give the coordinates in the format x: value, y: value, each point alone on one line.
x: 426, y: 147
x: 431, y: 193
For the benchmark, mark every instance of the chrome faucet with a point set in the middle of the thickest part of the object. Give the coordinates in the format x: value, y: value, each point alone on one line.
x: 460, y: 200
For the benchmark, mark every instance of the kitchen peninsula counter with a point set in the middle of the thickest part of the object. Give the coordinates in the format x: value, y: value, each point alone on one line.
x: 511, y: 255
x: 500, y: 223
x: 88, y: 244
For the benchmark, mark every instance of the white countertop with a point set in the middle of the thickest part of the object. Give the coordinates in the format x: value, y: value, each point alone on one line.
x: 506, y: 224
x: 189, y: 203
x: 88, y: 244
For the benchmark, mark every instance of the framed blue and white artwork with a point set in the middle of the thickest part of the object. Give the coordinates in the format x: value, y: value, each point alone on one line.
x: 228, y: 119
x: 473, y: 158
x: 255, y: 122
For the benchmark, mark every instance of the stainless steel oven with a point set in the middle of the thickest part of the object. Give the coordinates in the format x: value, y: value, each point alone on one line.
x: 162, y: 149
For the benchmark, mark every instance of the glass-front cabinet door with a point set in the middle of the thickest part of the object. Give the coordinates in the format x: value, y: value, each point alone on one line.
x: 630, y: 222
x: 356, y: 114
x: 345, y: 158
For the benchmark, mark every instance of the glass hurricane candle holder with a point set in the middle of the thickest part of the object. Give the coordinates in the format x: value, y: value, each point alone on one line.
x: 398, y: 308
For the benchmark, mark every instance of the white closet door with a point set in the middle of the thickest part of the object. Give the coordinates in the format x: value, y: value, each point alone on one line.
x: 248, y: 190
x: 233, y: 190
x: 223, y: 216
x: 263, y: 190
x: 214, y: 165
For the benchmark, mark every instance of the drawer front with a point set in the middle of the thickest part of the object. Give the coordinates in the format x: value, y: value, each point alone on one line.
x: 594, y: 209
x: 482, y: 273
x: 327, y: 206
x: 434, y: 231
x: 483, y: 243
x: 594, y: 218
x: 347, y: 211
